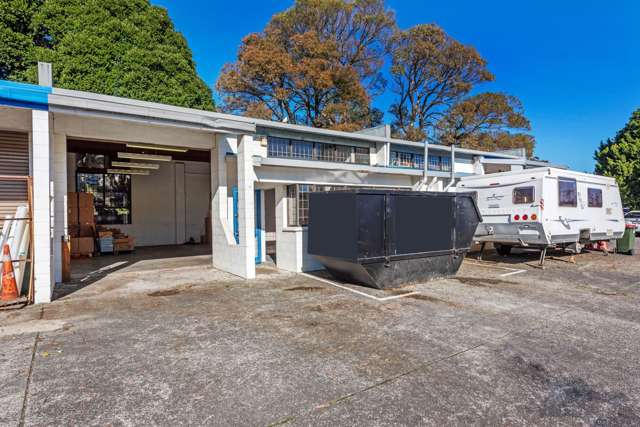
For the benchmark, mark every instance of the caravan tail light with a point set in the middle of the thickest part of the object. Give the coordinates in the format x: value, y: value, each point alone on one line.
x: 534, y: 217
x: 516, y: 217
x: 525, y: 217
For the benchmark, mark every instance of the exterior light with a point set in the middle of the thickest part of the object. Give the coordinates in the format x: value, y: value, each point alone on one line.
x: 150, y: 157
x: 135, y: 165
x: 157, y: 147
x: 534, y: 217
x: 516, y: 217
x: 525, y: 217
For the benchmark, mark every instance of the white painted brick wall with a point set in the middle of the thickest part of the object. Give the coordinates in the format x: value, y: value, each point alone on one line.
x: 60, y: 201
x: 42, y: 205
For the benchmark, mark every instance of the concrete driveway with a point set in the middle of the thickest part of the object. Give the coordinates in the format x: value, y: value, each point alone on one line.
x: 504, y: 343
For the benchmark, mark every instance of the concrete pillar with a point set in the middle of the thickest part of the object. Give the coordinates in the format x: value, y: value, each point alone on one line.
x: 59, y: 200
x: 41, y: 140
x: 227, y: 255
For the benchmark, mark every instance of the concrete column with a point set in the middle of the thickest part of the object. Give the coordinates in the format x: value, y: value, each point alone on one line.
x: 246, y: 205
x: 59, y: 200
x: 235, y: 258
x: 41, y: 140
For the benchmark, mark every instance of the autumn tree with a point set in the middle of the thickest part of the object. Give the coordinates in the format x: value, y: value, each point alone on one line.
x: 430, y: 71
x: 317, y: 63
x: 486, y: 121
x: 620, y: 158
x: 124, y: 48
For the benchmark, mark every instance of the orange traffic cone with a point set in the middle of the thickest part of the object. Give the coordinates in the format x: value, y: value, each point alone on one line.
x: 9, y: 286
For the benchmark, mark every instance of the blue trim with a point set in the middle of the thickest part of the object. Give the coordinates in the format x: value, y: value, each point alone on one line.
x: 24, y: 95
x: 258, y: 231
x: 236, y: 226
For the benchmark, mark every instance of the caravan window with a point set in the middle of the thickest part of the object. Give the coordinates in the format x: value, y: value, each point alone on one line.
x: 523, y: 195
x: 567, y: 192
x: 595, y: 197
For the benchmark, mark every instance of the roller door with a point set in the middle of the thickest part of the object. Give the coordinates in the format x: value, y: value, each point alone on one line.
x: 14, y: 161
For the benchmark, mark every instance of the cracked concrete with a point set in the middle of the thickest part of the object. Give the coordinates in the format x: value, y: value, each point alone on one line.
x: 187, y: 345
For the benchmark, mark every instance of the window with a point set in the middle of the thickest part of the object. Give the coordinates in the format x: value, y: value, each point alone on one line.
x: 111, y: 192
x: 278, y: 147
x: 523, y: 195
x: 567, y: 192
x: 298, y: 202
x: 595, y: 197
x: 306, y: 150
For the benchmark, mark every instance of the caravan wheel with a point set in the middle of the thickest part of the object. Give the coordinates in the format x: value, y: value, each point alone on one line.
x: 502, y: 250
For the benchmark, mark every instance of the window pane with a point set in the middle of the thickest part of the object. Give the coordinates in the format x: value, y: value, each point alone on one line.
x: 362, y: 155
x: 92, y: 161
x: 302, y: 150
x: 92, y: 183
x: 445, y: 164
x: 303, y: 204
x: 568, y: 192
x: 292, y: 205
x: 595, y: 197
x: 418, y: 161
x: 435, y: 163
x: 117, y: 208
x: 277, y: 147
x: 343, y: 153
x: 523, y: 195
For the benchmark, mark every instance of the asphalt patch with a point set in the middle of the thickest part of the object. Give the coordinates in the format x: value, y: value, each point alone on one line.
x: 305, y: 289
x: 423, y: 297
x: 165, y: 293
x: 482, y: 282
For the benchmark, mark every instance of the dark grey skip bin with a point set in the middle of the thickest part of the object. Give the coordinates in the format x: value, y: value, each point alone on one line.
x: 390, y: 238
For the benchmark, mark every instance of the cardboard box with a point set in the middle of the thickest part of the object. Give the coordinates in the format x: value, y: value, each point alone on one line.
x: 80, y: 208
x: 82, y: 246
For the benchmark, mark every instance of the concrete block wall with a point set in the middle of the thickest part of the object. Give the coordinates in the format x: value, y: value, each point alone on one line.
x: 42, y: 163
x: 227, y: 255
x: 291, y: 242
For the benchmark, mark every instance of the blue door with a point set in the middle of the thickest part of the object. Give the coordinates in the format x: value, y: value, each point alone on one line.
x: 258, y: 228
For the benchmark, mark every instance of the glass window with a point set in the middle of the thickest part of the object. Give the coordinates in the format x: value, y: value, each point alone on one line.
x: 302, y: 150
x: 445, y: 164
x: 92, y: 161
x: 278, y: 147
x: 595, y: 197
x: 523, y: 195
x: 418, y: 161
x: 362, y: 155
x: 435, y: 163
x: 401, y: 159
x: 298, y: 204
x: 567, y: 192
x: 111, y: 196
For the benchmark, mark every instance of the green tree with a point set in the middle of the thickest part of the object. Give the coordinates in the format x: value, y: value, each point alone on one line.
x: 124, y: 48
x: 620, y: 158
x: 317, y: 63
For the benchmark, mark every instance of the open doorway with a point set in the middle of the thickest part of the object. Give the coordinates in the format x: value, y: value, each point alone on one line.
x: 131, y: 206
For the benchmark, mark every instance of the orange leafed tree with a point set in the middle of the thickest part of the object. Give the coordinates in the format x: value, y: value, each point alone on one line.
x: 486, y: 121
x: 317, y: 63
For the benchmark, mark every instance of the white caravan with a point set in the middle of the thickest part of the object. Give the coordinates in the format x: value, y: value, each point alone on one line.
x: 545, y: 207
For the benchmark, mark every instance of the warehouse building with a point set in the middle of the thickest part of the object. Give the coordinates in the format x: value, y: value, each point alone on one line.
x: 169, y: 176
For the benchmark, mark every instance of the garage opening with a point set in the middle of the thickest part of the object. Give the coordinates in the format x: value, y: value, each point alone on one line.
x: 133, y: 204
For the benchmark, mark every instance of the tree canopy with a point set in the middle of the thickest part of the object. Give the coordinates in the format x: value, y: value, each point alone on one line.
x: 317, y: 63
x: 486, y: 121
x: 117, y: 47
x: 620, y: 158
x: 430, y: 71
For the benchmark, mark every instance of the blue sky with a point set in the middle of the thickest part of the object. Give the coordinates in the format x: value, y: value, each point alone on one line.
x: 574, y: 64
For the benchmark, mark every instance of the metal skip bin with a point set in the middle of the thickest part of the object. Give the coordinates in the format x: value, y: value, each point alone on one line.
x: 389, y: 238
